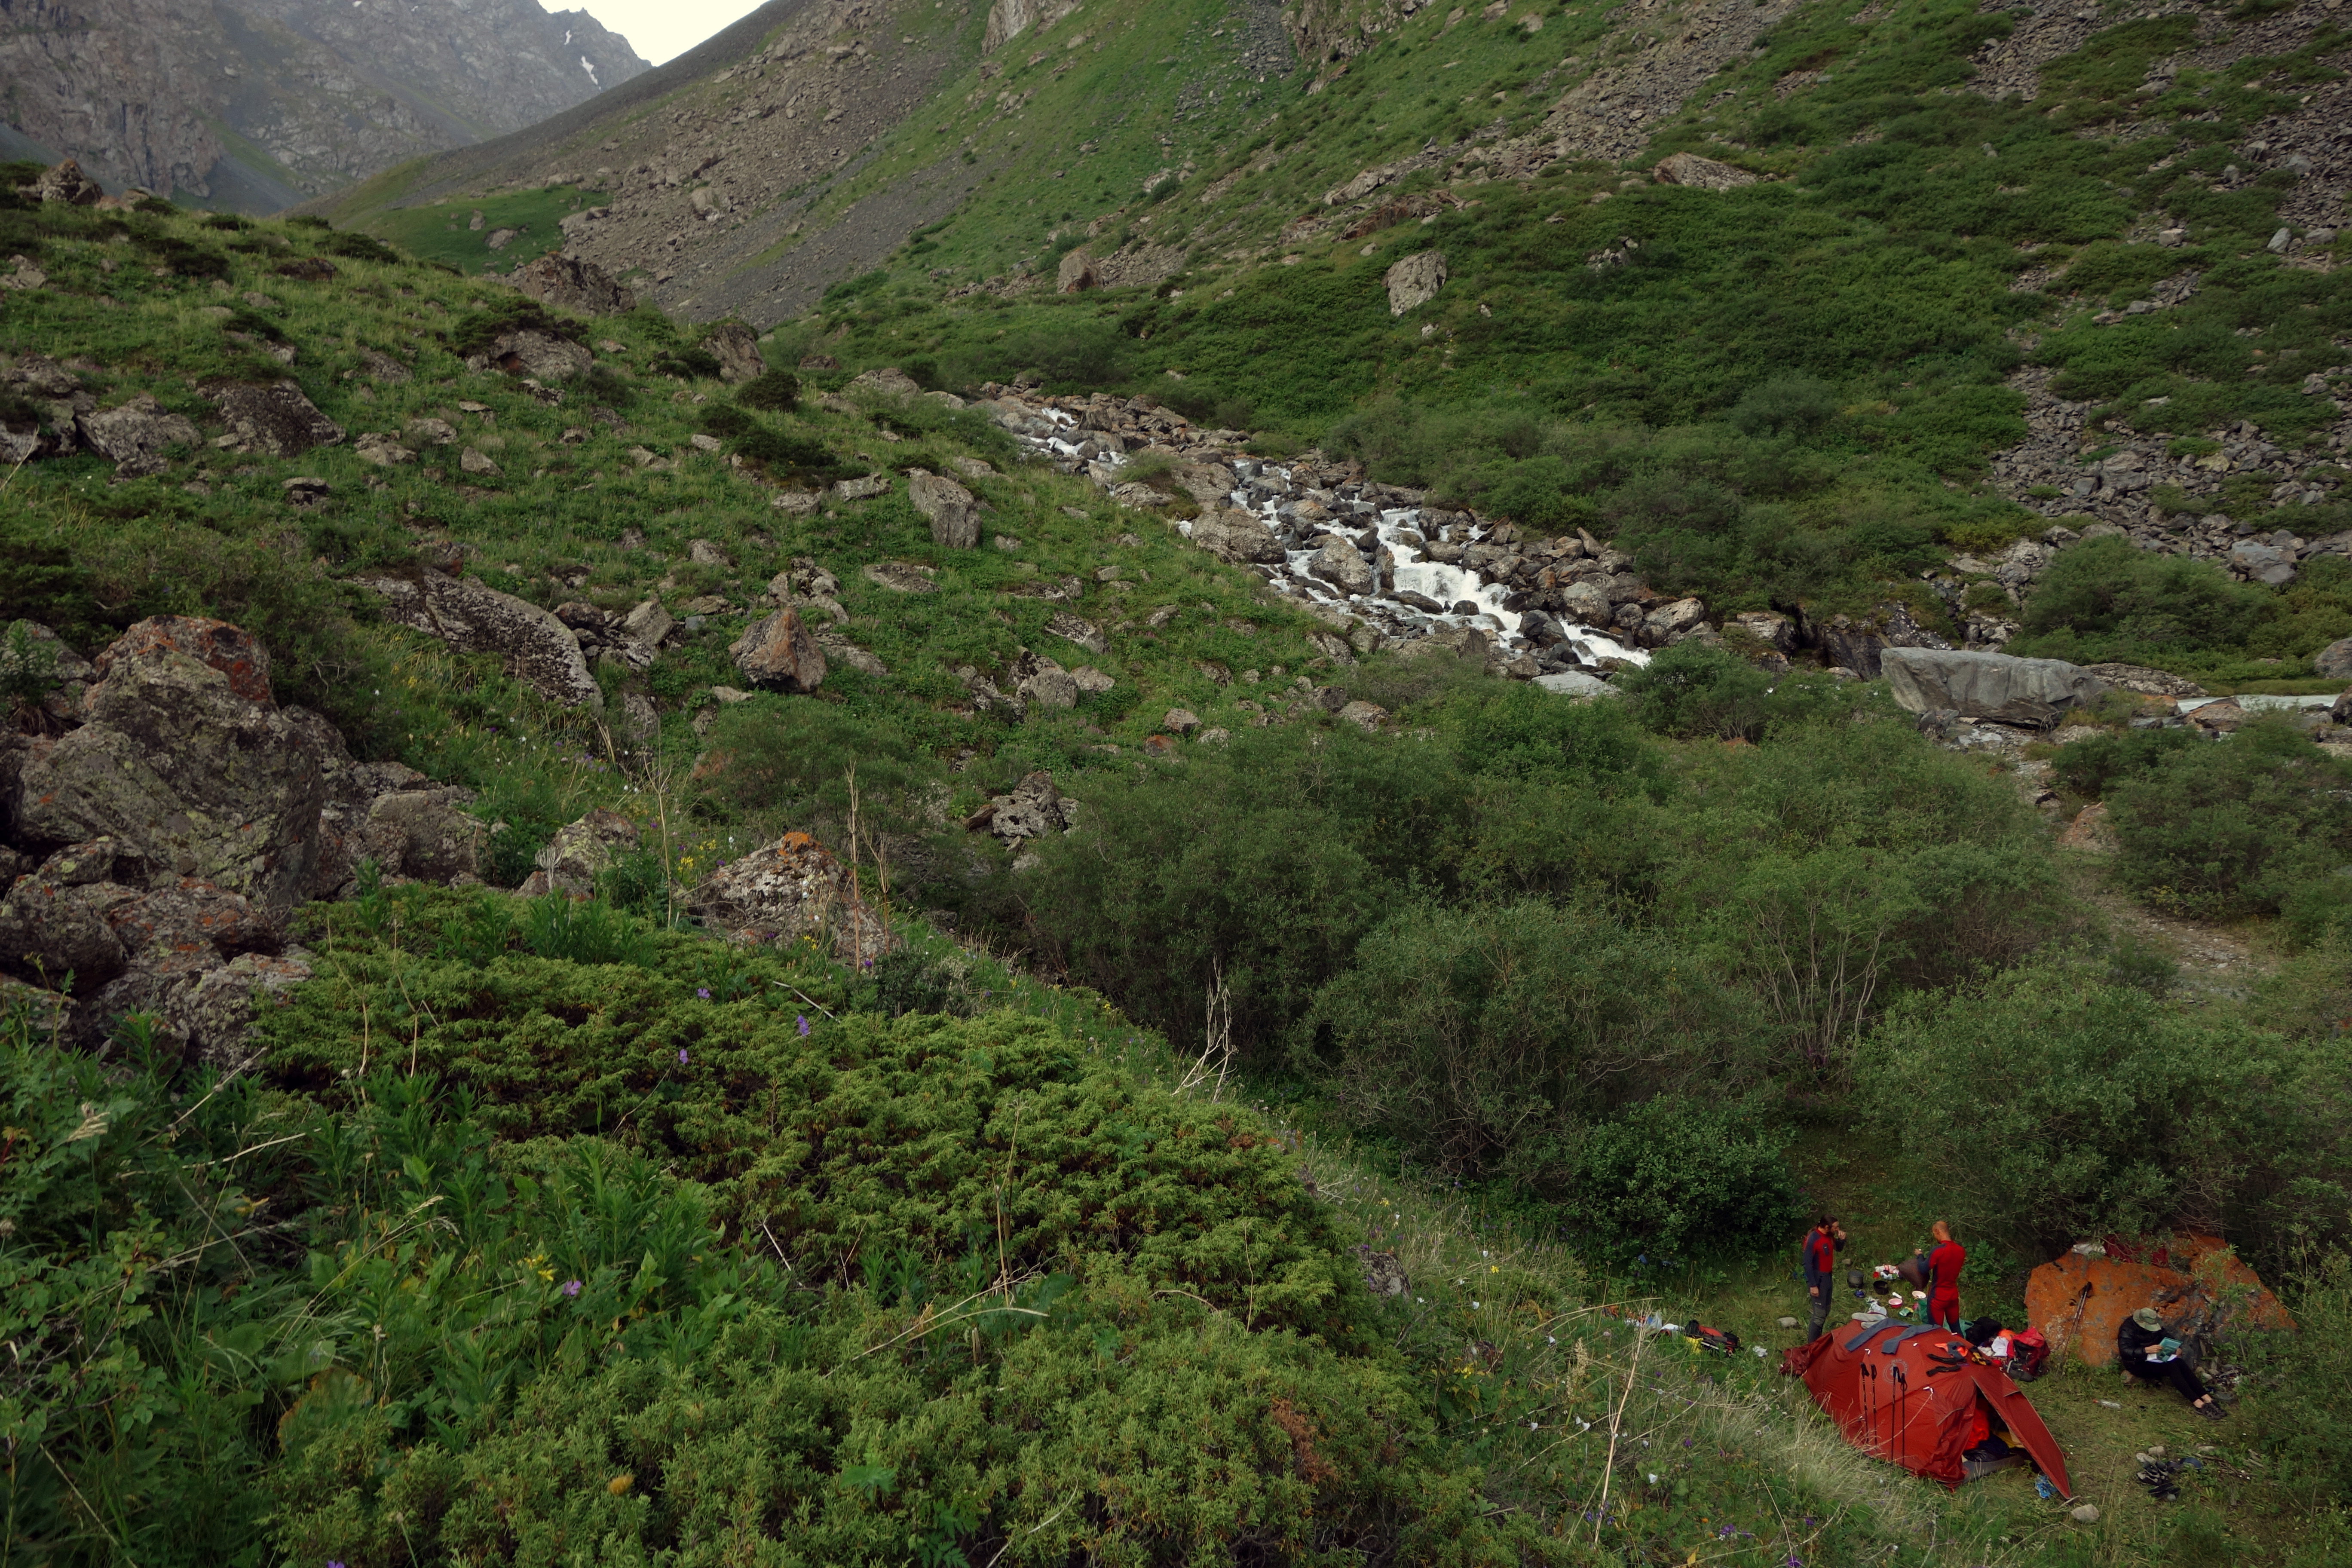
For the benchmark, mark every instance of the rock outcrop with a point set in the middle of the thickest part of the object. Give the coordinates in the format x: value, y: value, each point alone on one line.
x: 572, y: 284
x: 185, y: 764
x: 535, y: 647
x: 952, y: 510
x: 779, y: 654
x: 136, y: 434
x: 791, y: 889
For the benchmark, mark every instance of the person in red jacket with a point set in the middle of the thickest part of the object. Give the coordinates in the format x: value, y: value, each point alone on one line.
x: 1820, y: 1253
x: 1944, y: 1265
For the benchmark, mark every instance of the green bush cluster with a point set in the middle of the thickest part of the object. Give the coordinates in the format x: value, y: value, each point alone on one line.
x: 2257, y: 824
x: 2092, y: 1107
x: 720, y: 1267
x: 1496, y: 944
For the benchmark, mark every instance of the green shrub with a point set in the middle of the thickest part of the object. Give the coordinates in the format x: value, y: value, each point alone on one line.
x: 1492, y: 1040
x: 2050, y: 1103
x: 582, y: 931
x: 2232, y: 827
x: 2104, y: 599
x: 851, y: 289
x: 771, y: 390
x: 722, y: 420
x: 1798, y: 405
x: 1693, y: 690
x: 1678, y: 1176
x: 1523, y: 732
x: 1261, y: 866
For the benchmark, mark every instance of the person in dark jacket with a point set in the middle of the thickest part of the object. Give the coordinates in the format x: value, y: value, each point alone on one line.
x: 2140, y: 1351
x: 1820, y: 1249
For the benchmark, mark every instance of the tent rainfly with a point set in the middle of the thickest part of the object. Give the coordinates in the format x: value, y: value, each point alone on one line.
x: 1912, y: 1395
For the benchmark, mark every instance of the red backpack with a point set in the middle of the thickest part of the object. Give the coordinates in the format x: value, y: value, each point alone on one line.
x: 2027, y: 1352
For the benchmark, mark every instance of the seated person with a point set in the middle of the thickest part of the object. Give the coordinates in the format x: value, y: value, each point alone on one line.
x: 2140, y: 1351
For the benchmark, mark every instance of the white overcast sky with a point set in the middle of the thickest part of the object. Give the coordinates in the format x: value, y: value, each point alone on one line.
x: 662, y: 29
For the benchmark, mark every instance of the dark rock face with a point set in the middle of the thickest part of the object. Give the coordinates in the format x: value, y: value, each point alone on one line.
x: 190, y: 769
x: 154, y: 850
x: 277, y: 421
x: 538, y: 649
x: 737, y: 350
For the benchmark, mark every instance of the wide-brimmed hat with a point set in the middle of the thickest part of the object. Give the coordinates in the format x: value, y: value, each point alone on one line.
x: 2147, y: 1319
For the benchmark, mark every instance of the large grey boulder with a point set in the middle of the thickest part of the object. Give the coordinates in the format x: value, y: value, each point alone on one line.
x: 186, y: 763
x: 1702, y: 174
x: 1237, y: 537
x: 529, y: 352
x: 1342, y: 565
x: 425, y: 834
x: 2335, y: 661
x: 1414, y: 281
x: 582, y: 852
x: 1987, y: 685
x: 951, y: 511
x: 472, y: 617
x: 135, y: 434
x: 1576, y: 683
x: 66, y: 183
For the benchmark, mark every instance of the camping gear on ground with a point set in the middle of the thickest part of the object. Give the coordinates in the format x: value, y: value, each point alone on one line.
x: 2029, y: 1352
x: 1919, y: 1397
x: 1723, y: 1341
x: 2078, y: 1302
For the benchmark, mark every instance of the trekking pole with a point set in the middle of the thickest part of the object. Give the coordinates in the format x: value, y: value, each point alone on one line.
x: 1902, y: 1437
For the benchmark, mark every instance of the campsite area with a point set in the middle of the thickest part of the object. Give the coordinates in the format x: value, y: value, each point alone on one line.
x: 1735, y: 1432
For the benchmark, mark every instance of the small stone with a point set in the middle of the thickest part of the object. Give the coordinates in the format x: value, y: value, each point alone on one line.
x: 2087, y: 1514
x: 1183, y: 721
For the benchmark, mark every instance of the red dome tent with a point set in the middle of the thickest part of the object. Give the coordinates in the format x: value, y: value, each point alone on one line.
x: 1913, y: 1395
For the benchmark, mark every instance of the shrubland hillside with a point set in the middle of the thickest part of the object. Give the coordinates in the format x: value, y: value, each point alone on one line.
x: 894, y: 934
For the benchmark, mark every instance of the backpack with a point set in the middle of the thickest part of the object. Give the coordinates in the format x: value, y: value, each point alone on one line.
x: 1723, y: 1341
x: 2027, y: 1352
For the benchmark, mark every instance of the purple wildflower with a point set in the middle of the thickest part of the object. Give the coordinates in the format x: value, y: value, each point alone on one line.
x: 572, y: 1287
x: 804, y: 1023
x: 681, y: 1056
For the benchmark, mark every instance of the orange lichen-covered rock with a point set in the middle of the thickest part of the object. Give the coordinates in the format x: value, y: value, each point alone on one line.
x: 235, y: 652
x: 2079, y: 1301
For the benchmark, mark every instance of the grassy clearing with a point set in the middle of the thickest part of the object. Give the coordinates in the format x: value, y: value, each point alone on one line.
x: 444, y: 232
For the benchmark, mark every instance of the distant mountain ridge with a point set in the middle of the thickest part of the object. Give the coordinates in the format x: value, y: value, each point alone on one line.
x: 258, y: 104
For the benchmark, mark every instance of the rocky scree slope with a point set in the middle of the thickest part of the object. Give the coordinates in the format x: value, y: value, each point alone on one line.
x: 255, y: 106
